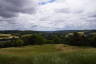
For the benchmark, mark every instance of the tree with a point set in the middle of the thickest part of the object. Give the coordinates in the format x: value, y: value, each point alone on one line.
x: 34, y: 39
x: 27, y: 39
x: 76, y: 39
x: 18, y: 42
x: 56, y: 39
x: 38, y: 39
x: 92, y: 40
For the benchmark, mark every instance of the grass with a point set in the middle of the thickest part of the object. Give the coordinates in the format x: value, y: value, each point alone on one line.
x: 29, y: 50
x: 48, y: 54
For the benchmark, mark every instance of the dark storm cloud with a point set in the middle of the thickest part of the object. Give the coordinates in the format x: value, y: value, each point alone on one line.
x: 10, y: 8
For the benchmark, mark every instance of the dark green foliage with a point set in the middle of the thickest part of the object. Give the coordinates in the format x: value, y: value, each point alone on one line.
x: 76, y: 38
x: 12, y: 43
x: 92, y: 40
x: 27, y: 39
x: 34, y: 39
x: 38, y: 39
x: 18, y: 42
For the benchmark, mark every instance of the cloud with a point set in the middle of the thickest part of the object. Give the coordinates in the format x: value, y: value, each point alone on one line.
x: 58, y: 15
x: 10, y: 8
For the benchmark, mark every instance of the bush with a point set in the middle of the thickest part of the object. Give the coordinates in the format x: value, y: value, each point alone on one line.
x: 92, y: 40
x: 18, y: 42
x: 34, y: 39
x: 77, y: 39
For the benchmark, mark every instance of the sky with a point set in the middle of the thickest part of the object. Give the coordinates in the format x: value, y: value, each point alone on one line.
x: 47, y: 15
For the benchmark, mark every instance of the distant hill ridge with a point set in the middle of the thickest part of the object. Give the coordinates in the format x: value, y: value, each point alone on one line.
x: 30, y: 31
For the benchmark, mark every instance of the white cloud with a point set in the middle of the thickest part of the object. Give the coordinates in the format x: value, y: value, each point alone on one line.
x: 60, y: 15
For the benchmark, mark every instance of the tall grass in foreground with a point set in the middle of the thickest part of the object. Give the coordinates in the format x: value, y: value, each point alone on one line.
x: 52, y: 58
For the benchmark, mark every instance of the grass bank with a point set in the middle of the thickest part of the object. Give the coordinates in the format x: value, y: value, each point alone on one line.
x: 48, y: 54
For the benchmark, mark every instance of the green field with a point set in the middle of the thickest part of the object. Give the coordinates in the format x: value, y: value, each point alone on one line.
x: 48, y: 54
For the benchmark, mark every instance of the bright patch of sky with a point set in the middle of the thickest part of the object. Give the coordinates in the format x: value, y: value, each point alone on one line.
x: 43, y: 2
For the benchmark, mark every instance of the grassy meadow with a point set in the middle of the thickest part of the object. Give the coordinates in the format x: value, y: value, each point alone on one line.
x: 48, y: 54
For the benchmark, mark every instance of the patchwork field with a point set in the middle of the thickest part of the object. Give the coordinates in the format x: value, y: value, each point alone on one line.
x: 48, y: 54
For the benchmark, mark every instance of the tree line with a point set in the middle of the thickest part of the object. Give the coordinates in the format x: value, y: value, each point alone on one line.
x: 73, y: 38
